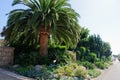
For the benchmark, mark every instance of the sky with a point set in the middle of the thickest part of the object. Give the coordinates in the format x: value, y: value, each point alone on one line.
x: 99, y: 16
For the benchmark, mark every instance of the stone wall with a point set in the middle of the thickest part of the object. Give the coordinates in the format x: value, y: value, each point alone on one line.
x: 6, y: 55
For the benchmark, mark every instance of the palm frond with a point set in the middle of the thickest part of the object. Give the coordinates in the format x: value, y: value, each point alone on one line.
x: 24, y: 24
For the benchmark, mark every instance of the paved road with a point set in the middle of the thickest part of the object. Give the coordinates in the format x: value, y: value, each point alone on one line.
x: 113, y: 73
x: 6, y: 75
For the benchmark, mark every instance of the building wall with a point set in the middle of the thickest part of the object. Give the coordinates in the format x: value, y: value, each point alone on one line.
x: 6, y: 55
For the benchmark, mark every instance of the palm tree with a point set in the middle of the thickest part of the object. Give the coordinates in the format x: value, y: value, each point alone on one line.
x: 43, y: 19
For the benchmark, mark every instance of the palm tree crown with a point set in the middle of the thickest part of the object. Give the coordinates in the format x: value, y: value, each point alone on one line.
x: 43, y: 18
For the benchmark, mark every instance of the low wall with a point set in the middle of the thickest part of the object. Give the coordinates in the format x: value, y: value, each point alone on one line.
x: 6, y: 55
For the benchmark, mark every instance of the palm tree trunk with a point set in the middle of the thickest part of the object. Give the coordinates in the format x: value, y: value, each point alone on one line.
x: 44, y: 35
x: 44, y: 44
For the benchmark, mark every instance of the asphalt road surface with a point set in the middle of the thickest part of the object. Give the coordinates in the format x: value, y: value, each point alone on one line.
x: 113, y: 73
x: 4, y: 76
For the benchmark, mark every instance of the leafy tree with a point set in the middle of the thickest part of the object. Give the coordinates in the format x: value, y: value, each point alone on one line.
x: 93, y: 45
x: 42, y: 20
x: 84, y: 34
x: 97, y: 45
x: 106, y: 49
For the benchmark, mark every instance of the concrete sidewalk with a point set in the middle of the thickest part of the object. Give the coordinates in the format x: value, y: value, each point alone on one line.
x: 7, y: 75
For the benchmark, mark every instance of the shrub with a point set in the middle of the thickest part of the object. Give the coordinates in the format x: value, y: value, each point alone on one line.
x: 64, y: 71
x: 88, y: 65
x: 82, y: 49
x: 30, y: 71
x: 92, y: 57
x: 94, y: 72
x: 58, y: 54
x: 71, y: 55
x: 26, y: 58
x: 61, y: 55
x: 81, y: 53
x: 107, y: 64
x: 68, y: 71
x: 71, y: 69
x: 100, y: 65
x: 80, y: 71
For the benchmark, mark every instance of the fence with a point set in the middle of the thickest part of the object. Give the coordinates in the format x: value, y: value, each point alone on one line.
x: 6, y: 55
